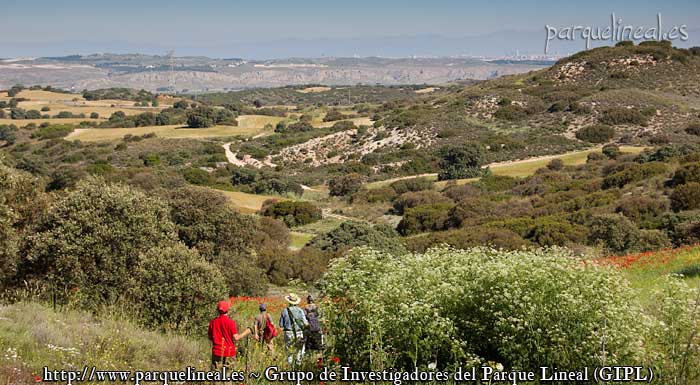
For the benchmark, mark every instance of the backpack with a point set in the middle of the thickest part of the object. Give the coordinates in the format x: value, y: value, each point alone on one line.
x: 314, y: 324
x: 270, y: 331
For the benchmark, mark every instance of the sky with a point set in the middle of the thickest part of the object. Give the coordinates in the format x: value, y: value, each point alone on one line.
x: 266, y: 29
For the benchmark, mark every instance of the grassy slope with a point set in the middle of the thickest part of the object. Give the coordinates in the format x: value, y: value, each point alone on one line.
x: 521, y: 168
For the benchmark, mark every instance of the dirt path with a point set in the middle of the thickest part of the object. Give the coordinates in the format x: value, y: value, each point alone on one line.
x: 231, y: 156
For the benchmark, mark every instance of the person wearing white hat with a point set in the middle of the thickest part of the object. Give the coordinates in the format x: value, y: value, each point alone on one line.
x: 293, y: 321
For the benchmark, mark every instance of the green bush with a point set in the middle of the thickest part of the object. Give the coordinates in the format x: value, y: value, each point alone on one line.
x: 292, y: 213
x: 395, y: 313
x: 620, y: 115
x: 693, y: 128
x: 615, y: 233
x: 686, y: 197
x: 412, y: 199
x: 689, y: 172
x: 352, y: 234
x: 634, y: 173
x: 425, y: 218
x: 597, y: 133
x: 88, y: 244
x: 467, y: 238
x: 412, y: 184
x: 510, y: 112
x: 52, y: 132
x: 457, y: 162
x: 176, y: 289
x: 345, y: 185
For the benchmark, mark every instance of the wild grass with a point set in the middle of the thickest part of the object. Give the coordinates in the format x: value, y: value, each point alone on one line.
x: 247, y: 203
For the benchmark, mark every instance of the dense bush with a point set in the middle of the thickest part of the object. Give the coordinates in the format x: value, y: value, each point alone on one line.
x: 510, y: 112
x: 292, y: 213
x: 468, y: 238
x: 177, y: 287
x: 689, y: 172
x: 597, y: 133
x: 413, y: 199
x: 619, y: 115
x: 357, y: 234
x: 634, y: 173
x: 425, y: 218
x: 693, y: 128
x: 89, y: 242
x: 344, y: 185
x: 615, y: 233
x: 642, y: 209
x: 457, y: 162
x: 396, y: 313
x: 412, y: 184
x: 686, y: 197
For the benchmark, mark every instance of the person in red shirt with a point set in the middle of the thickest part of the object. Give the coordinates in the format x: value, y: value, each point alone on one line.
x: 223, y: 335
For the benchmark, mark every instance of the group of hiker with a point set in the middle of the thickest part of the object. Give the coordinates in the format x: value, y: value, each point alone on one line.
x: 301, y: 328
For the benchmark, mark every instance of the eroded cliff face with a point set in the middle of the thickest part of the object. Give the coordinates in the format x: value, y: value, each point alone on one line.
x: 246, y: 76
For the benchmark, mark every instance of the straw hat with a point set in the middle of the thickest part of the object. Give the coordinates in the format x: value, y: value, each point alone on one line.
x: 292, y: 298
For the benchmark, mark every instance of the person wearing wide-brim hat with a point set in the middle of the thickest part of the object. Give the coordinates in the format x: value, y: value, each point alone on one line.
x: 293, y: 321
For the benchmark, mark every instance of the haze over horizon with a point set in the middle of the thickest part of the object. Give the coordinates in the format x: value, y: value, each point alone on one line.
x: 276, y: 29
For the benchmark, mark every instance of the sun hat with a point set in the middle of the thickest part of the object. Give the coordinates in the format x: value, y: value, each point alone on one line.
x: 292, y: 298
x: 223, y: 306
x: 263, y: 307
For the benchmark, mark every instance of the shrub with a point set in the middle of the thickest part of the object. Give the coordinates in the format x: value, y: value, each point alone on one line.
x: 597, y: 133
x: 471, y: 211
x: 693, y: 128
x: 424, y: 218
x: 52, y: 132
x: 412, y: 199
x: 689, y: 172
x: 344, y: 185
x: 201, y: 117
x: 468, y: 238
x: 615, y: 233
x: 642, y: 209
x: 510, y: 112
x: 293, y: 213
x: 547, y: 231
x: 634, y: 173
x: 207, y: 223
x: 412, y: 184
x: 176, y: 288
x: 352, y: 234
x: 457, y: 162
x: 396, y: 313
x: 333, y: 115
x: 619, y: 115
x: 686, y: 197
x: 611, y: 151
x: 91, y: 239
x: 555, y: 165
x: 198, y: 176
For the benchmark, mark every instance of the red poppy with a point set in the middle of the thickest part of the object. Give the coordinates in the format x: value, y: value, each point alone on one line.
x: 335, y: 359
x: 37, y: 379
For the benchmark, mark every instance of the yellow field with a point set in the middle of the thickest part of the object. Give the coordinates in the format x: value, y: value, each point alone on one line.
x: 257, y: 121
x: 299, y: 240
x: 104, y: 111
x: 312, y: 90
x: 247, y: 203
x: 48, y: 96
x: 249, y: 125
x: 426, y: 90
x: 518, y: 168
x: 24, y: 122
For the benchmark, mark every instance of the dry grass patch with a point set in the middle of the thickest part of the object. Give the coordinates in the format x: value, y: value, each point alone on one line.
x: 247, y: 203
x: 365, y: 121
x: 48, y: 96
x: 311, y: 90
x: 426, y: 90
x: 257, y: 121
x: 173, y: 131
x: 24, y: 122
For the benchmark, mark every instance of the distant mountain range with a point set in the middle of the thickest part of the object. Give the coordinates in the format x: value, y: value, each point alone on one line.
x: 199, y: 73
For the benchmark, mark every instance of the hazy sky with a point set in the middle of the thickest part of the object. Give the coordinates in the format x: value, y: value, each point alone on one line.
x: 234, y: 28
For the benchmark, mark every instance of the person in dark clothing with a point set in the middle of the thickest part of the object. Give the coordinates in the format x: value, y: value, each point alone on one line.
x: 223, y: 335
x: 313, y: 338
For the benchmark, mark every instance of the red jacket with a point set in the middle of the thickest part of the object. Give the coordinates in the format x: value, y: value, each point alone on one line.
x: 221, y: 331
